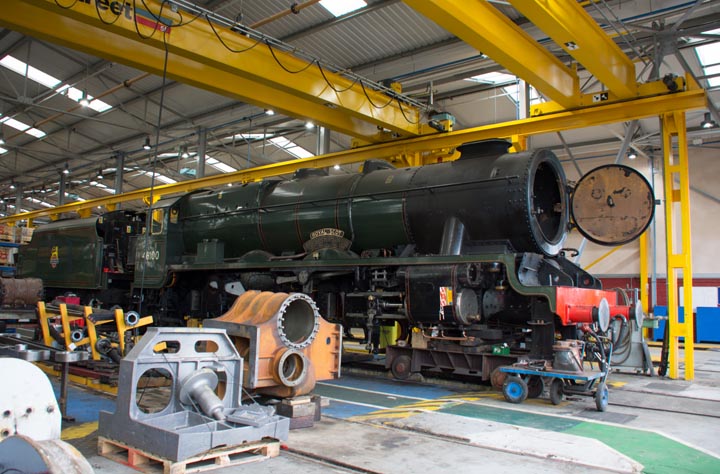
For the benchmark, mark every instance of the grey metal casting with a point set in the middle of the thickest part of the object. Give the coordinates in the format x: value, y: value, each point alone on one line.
x: 195, y: 419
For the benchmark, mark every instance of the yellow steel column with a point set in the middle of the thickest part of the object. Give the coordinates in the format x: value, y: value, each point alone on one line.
x: 644, y: 272
x: 679, y: 255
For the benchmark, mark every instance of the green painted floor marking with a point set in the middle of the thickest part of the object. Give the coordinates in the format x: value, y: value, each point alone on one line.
x: 659, y: 454
x: 513, y: 417
x: 350, y: 395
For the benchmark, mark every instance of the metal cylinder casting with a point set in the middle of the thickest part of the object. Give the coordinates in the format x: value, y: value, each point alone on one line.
x: 20, y: 292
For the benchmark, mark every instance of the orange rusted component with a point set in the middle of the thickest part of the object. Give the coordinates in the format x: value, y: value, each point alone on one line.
x: 285, y: 344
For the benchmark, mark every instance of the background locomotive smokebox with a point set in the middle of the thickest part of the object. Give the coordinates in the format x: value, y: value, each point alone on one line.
x: 210, y: 251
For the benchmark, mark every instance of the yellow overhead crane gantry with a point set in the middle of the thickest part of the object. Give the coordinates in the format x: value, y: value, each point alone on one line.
x: 342, y: 105
x: 211, y: 56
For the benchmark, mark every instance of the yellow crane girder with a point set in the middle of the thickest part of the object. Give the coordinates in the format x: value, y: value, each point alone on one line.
x: 215, y: 58
x: 488, y: 30
x: 515, y: 130
x: 571, y: 28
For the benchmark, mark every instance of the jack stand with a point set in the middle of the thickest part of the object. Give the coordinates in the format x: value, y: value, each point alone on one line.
x: 303, y: 411
x: 631, y: 353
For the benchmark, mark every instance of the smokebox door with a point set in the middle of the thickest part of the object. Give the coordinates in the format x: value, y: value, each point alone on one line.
x: 612, y: 205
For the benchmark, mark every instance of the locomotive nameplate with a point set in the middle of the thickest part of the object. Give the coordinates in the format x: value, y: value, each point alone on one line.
x: 612, y: 205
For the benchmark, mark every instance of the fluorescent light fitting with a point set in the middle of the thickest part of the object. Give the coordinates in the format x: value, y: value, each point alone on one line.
x: 342, y: 7
x: 2, y: 151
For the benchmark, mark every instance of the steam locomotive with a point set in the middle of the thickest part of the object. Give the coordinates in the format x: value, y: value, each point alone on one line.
x: 465, y: 256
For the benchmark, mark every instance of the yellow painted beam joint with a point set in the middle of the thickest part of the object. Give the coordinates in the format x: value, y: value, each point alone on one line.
x: 601, y: 98
x: 574, y: 30
x: 485, y: 28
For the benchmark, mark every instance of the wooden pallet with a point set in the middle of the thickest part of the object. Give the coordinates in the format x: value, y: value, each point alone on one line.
x: 213, y: 459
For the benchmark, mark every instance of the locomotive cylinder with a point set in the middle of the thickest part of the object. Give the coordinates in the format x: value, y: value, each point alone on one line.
x: 487, y: 195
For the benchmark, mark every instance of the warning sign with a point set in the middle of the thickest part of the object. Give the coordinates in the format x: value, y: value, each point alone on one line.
x: 446, y: 299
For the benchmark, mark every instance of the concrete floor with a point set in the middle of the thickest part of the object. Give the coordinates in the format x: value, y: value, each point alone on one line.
x: 377, y: 425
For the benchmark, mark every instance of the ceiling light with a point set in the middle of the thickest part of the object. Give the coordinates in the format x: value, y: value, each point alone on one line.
x: 100, y: 175
x: 309, y: 125
x: 708, y: 122
x: 631, y: 155
x: 146, y: 145
x: 12, y: 184
x: 2, y: 138
x: 66, y: 170
x: 336, y: 167
x: 269, y: 112
x: 84, y: 101
x: 184, y: 151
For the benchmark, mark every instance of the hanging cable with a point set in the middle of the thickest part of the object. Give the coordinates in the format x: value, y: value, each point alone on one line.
x: 149, y: 217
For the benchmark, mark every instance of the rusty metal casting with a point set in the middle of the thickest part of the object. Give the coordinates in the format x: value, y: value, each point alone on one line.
x: 20, y: 292
x: 285, y: 343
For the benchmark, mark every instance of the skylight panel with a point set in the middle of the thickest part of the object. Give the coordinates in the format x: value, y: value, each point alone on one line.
x: 39, y: 201
x: 492, y: 78
x: 291, y: 147
x: 218, y: 165
x: 16, y: 124
x: 23, y: 127
x: 709, y: 56
x: 98, y: 105
x: 32, y: 73
x: 159, y: 177
x: 341, y: 7
x: 35, y: 132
